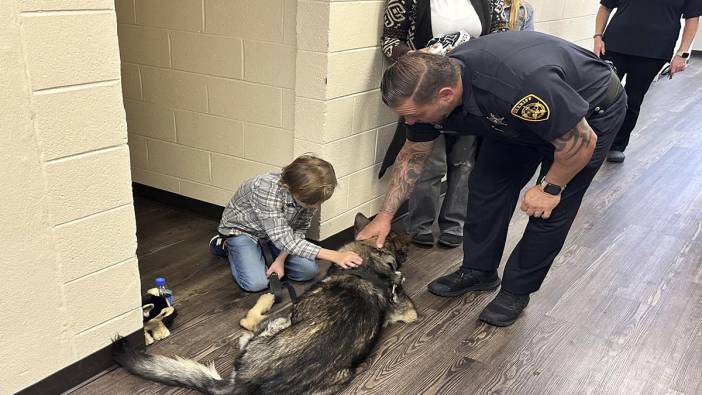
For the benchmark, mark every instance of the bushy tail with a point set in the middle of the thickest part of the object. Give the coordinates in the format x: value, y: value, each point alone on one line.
x: 171, y: 371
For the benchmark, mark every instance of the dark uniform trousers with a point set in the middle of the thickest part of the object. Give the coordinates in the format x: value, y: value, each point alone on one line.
x: 501, y: 170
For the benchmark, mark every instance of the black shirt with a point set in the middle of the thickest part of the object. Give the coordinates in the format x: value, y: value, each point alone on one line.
x: 647, y: 28
x: 523, y: 87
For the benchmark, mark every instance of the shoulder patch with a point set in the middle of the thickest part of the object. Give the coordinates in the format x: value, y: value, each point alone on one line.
x: 531, y: 108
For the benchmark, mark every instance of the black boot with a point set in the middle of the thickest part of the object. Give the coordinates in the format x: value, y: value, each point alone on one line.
x: 504, y: 309
x: 464, y: 280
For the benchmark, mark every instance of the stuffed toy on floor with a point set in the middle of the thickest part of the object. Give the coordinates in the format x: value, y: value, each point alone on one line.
x: 158, y: 316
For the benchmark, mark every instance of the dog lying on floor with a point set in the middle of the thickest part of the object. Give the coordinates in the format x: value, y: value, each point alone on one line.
x: 317, y: 347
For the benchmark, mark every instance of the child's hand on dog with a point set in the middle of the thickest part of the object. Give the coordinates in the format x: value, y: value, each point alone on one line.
x: 277, y: 267
x: 348, y: 259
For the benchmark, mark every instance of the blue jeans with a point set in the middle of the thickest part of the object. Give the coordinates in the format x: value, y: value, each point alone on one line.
x: 249, y: 267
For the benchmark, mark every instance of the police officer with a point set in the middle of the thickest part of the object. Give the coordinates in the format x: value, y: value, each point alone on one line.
x: 535, y: 100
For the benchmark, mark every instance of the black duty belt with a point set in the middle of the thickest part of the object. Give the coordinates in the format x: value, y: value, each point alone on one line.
x: 611, y: 94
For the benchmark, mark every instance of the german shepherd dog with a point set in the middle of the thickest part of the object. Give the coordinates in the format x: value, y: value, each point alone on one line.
x: 316, y: 348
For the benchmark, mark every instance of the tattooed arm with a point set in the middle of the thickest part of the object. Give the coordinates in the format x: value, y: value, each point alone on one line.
x: 572, y: 152
x: 408, y: 167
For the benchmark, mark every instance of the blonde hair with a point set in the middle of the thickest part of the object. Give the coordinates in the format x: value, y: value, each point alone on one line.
x: 514, y: 13
x: 311, y: 180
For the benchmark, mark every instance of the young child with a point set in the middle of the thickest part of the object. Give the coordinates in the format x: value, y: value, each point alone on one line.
x: 278, y: 207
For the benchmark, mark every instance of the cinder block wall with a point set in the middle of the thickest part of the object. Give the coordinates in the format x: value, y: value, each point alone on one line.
x: 217, y: 91
x: 70, y: 276
x: 208, y: 91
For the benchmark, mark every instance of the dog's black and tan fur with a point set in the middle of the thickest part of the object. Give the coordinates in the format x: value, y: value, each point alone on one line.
x: 317, y: 347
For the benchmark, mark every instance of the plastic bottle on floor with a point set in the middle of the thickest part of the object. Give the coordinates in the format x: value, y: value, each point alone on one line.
x: 163, y: 291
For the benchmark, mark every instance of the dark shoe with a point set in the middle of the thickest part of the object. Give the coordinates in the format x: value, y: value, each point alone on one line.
x: 615, y: 156
x: 217, y: 247
x: 504, y: 309
x: 424, y: 240
x: 451, y: 241
x: 462, y: 281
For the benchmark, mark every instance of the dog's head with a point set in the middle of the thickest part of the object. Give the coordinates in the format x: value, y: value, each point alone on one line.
x: 395, y: 244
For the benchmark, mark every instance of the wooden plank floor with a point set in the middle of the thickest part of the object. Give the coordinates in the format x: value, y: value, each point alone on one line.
x: 620, y: 312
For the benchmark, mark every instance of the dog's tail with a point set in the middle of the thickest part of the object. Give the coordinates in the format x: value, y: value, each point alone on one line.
x: 175, y: 371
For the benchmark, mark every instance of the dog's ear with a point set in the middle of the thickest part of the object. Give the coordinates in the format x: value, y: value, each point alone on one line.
x: 146, y: 309
x: 359, y: 223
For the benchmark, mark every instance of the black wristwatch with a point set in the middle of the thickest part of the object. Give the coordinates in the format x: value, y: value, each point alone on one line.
x: 551, y: 189
x: 682, y: 54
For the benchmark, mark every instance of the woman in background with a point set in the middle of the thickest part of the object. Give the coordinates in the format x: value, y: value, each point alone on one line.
x: 522, y: 20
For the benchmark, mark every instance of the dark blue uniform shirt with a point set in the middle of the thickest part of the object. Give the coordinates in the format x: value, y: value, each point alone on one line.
x: 523, y: 87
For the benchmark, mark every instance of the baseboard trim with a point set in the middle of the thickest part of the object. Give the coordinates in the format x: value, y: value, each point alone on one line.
x: 80, y: 372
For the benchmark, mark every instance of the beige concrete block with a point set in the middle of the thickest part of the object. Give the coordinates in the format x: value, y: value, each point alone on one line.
x: 125, y: 10
x: 160, y: 181
x: 355, y: 25
x: 205, y: 193
x: 174, y: 88
x: 301, y: 147
x: 313, y: 26
x: 324, y: 121
x: 376, y: 204
x: 290, y: 22
x: 229, y: 172
x: 271, y: 64
x: 246, y: 101
x: 207, y: 54
x: 354, y: 71
x: 268, y: 145
x: 339, y: 202
x: 366, y: 186
x: 577, y: 8
x: 259, y: 20
x: 150, y: 120
x: 178, y: 161
x: 385, y: 135
x: 69, y: 49
x: 76, y: 242
x: 370, y: 112
x: 351, y: 154
x: 58, y: 5
x: 143, y: 45
x: 138, y: 154
x: 288, y: 109
x: 101, y: 335
x: 76, y: 120
x: 131, y: 81
x: 311, y: 75
x: 210, y: 133
x: 574, y: 29
x: 101, y: 296
x: 173, y: 14
x: 342, y: 222
x: 547, y: 10
x: 88, y: 184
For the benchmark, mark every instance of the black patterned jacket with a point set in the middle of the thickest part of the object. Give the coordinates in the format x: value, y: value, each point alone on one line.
x: 407, y: 23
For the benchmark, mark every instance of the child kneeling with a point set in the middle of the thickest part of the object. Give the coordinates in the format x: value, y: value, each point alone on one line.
x: 278, y: 208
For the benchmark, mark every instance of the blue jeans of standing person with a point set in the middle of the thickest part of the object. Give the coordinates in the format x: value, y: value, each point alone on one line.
x: 249, y: 267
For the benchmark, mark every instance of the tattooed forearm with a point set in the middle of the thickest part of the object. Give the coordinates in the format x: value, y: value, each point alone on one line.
x: 572, y: 142
x: 408, y: 167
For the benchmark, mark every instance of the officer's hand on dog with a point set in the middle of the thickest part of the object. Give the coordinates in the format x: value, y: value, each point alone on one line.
x: 539, y: 204
x: 347, y: 259
x: 379, y: 226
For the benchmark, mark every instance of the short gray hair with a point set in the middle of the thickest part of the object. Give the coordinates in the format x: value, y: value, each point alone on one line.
x: 418, y: 76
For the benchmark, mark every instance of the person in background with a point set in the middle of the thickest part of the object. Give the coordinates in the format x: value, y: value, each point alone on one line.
x: 522, y: 20
x: 410, y: 25
x: 639, y: 40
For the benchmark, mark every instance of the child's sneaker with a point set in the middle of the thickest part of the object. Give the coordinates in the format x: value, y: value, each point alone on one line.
x: 217, y: 247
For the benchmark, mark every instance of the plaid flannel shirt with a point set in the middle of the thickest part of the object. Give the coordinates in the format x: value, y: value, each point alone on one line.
x: 262, y: 208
